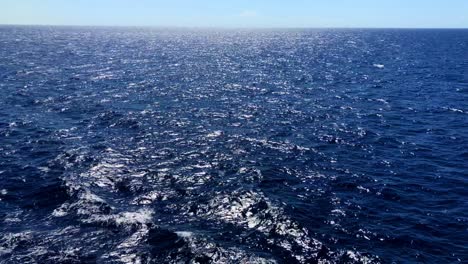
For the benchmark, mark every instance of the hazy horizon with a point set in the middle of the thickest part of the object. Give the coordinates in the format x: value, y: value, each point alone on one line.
x: 240, y: 14
x: 225, y: 27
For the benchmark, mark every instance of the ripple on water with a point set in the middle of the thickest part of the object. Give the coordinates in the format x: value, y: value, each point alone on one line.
x: 237, y: 146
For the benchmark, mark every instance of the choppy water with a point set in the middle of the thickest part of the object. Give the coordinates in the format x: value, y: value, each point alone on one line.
x: 173, y: 146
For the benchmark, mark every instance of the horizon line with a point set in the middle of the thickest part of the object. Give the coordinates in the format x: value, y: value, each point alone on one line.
x: 223, y: 27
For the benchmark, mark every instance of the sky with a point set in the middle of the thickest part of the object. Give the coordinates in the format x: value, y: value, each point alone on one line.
x: 239, y: 13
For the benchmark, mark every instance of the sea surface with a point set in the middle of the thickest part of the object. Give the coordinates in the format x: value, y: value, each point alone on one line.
x: 147, y: 145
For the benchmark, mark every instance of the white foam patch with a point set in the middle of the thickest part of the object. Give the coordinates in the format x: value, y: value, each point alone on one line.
x: 240, y: 209
x: 60, y: 212
x: 140, y: 217
x: 112, y: 166
x: 358, y: 257
x: 88, y: 204
x: 184, y: 234
x: 215, y: 134
x: 91, y: 197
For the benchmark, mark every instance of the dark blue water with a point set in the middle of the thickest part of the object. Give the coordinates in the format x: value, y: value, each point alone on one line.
x: 206, y: 146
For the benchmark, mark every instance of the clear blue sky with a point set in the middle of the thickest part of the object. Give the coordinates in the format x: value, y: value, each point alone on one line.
x: 238, y: 13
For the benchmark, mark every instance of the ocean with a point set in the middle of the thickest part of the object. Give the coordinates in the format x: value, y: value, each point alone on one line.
x: 154, y: 145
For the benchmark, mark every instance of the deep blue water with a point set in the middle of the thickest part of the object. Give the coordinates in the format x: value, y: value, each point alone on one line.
x: 128, y: 145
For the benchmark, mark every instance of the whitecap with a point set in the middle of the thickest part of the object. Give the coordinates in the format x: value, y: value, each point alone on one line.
x: 215, y: 134
x: 184, y: 234
x: 140, y: 217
